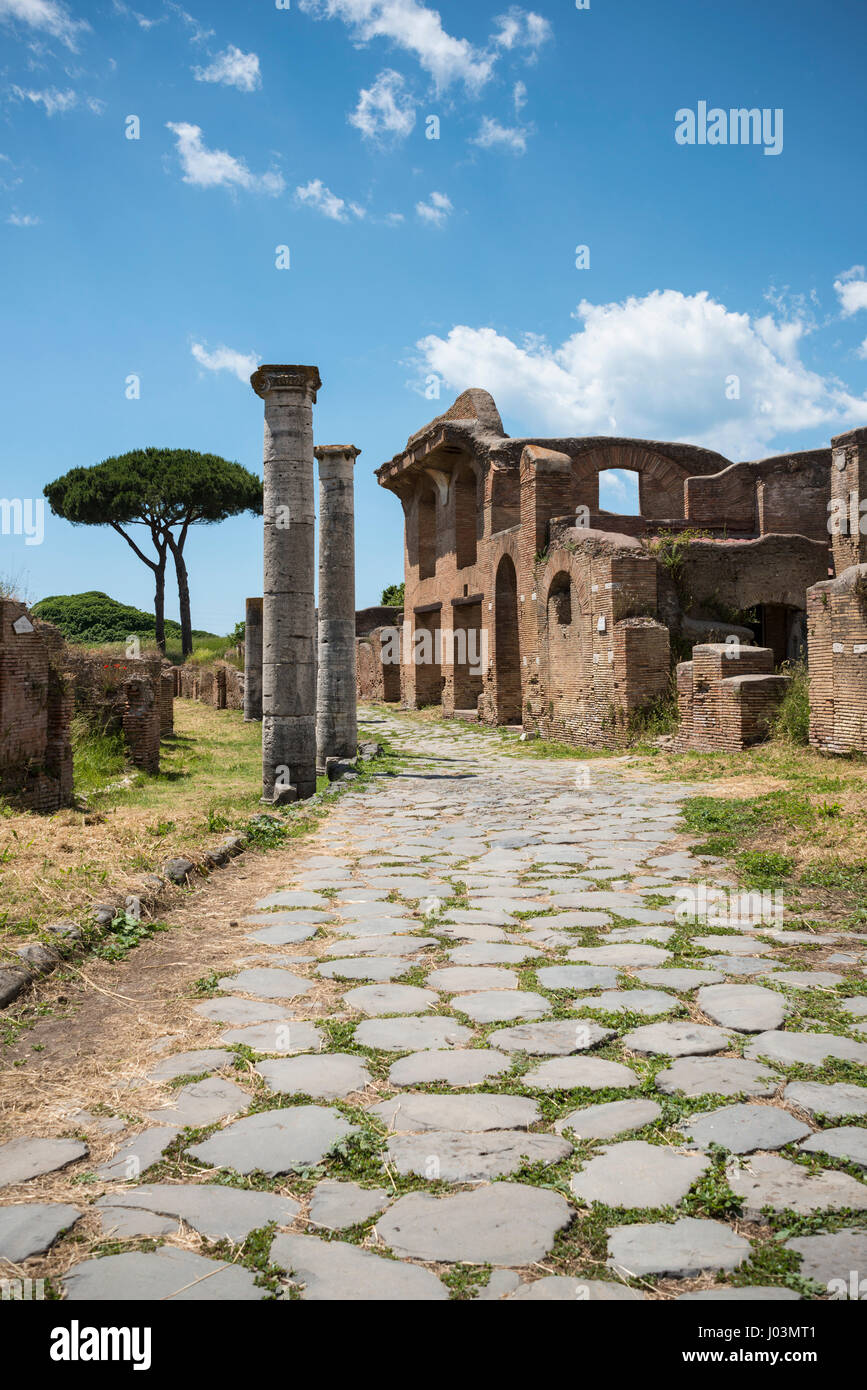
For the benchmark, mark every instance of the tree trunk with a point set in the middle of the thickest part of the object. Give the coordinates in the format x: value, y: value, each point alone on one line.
x: 160, y: 603
x: 177, y: 549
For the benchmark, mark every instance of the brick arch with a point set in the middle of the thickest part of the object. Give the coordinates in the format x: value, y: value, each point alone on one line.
x: 507, y: 643
x: 660, y: 479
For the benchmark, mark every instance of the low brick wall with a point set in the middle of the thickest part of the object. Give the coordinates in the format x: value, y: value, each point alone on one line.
x: 376, y: 679
x: 219, y: 685
x: 123, y: 694
x: 727, y: 696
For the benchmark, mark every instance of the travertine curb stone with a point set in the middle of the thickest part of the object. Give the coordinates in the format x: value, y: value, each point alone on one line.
x: 407, y: 1114
x: 22, y: 1159
x: 570, y: 1073
x: 681, y: 1250
x: 608, y: 1120
x: 556, y: 1039
x: 503, y: 1224
x: 337, y: 1205
x: 333, y: 1271
x: 219, y: 1213
x: 451, y: 1156
x: 677, y: 1039
x: 327, y: 1076
x: 167, y: 1274
x: 744, y: 1128
x: 559, y: 1288
x: 635, y: 1174
x: 716, y: 1076
x: 411, y: 1034
x: 32, y: 1227
x: 463, y: 1067
x: 767, y: 1180
x: 834, y: 1101
x: 747, y: 1008
x: 275, y: 1141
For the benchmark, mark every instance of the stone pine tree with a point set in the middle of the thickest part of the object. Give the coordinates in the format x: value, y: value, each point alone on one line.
x: 165, y: 492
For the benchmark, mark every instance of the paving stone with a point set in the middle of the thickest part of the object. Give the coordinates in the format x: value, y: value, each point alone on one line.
x: 275, y: 1141
x: 31, y: 1228
x: 466, y: 932
x: 410, y: 1113
x: 478, y: 916
x: 492, y: 953
x: 305, y: 917
x: 167, y: 1274
x: 499, y: 1006
x: 191, y: 1063
x: 332, y: 1271
x: 767, y: 1180
x: 214, y: 1211
x: 337, y: 1205
x: 719, y: 1076
x: 811, y: 1048
x: 566, y: 921
x: 283, y: 936
x: 124, y: 1223
x: 501, y: 1224
x: 635, y: 1174
x: 751, y: 1293
x: 464, y: 1067
x: 376, y: 1000
x: 681, y: 981
x: 624, y: 956
x: 202, y: 1103
x: 241, y: 1011
x: 855, y: 1005
x: 500, y: 1283
x: 680, y: 1250
x: 452, y: 1156
x: 82, y: 1119
x: 610, y: 1119
x: 380, y: 946
x: 278, y: 1037
x: 574, y: 1073
x: 733, y: 945
x: 377, y: 927
x: 328, y: 1076
x: 834, y: 1101
x: 740, y: 965
x: 559, y: 1038
x: 267, y: 983
x: 24, y: 1158
x: 808, y: 979
x: 137, y: 1154
x: 654, y: 934
x: 747, y: 1008
x: 291, y: 898
x: 677, y: 1039
x: 744, y: 1128
x: 846, y: 1141
x: 558, y: 1288
x: 411, y: 1034
x: 833, y: 1256
x: 467, y: 979
x: 649, y: 1002
x: 379, y: 968
x: 577, y: 977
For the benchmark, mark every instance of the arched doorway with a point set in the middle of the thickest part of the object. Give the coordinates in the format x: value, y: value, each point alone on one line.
x: 466, y: 526
x: 507, y: 645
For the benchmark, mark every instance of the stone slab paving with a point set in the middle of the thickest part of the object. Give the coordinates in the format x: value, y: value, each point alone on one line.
x: 833, y: 1256
x: 456, y: 944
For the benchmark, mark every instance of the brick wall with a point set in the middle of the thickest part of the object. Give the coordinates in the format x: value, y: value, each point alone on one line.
x: 837, y: 637
x: 376, y: 678
x: 727, y: 696
x: 35, y: 711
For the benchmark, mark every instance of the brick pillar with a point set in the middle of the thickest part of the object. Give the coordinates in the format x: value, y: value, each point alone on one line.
x: 253, y: 660
x: 849, y: 499
x: 288, y: 610
x: 336, y: 721
x: 546, y: 492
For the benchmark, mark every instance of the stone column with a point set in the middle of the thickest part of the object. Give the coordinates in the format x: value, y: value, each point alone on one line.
x: 288, y: 623
x: 253, y: 660
x: 336, y: 723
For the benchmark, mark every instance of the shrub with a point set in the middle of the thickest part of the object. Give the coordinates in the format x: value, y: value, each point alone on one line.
x: 791, y: 724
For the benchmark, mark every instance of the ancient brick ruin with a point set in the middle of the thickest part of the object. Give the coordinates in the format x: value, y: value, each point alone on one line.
x: 36, y: 702
x: 128, y: 695
x: 547, y: 612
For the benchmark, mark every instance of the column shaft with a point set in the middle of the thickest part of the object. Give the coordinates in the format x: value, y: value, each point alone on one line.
x: 336, y: 722
x: 253, y: 660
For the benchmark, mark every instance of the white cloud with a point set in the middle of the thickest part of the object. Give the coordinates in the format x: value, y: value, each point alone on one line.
x: 49, y: 16
x: 493, y: 135
x: 851, y: 288
x: 315, y: 195
x: 232, y: 69
x: 521, y: 29
x: 225, y: 359
x: 26, y: 219
x: 436, y: 210
x: 519, y: 97
x: 51, y: 99
x: 215, y: 168
x: 655, y: 367
x: 386, y: 109
x: 416, y: 29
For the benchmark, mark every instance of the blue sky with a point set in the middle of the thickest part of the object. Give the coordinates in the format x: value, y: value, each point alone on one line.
x: 413, y: 258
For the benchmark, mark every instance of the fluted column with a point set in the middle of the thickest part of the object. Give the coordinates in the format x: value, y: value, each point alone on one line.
x: 336, y: 723
x: 288, y: 621
x: 253, y: 659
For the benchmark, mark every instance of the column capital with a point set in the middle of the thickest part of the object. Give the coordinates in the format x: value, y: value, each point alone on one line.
x: 270, y: 378
x: 327, y: 453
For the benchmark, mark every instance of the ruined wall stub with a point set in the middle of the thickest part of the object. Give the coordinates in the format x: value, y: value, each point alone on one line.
x: 288, y: 626
x: 336, y: 722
